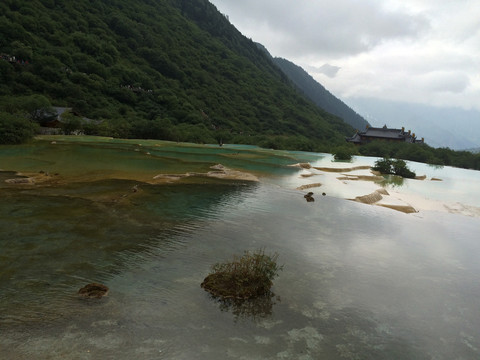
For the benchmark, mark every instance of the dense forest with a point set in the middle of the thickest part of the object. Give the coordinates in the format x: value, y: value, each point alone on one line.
x: 161, y: 69
x: 174, y: 70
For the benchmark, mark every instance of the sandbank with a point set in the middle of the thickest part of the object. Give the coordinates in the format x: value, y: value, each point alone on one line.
x: 218, y: 171
x: 361, y: 177
x: 309, y: 186
x: 334, y: 169
x: 43, y: 178
x: 357, y: 184
x: 302, y: 165
x: 23, y: 178
x: 380, y: 198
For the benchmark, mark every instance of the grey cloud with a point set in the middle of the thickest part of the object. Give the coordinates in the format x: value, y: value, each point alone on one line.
x: 446, y: 82
x: 336, y: 28
x: 423, y: 51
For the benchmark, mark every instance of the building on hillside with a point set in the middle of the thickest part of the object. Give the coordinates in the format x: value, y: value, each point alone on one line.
x: 57, y: 120
x: 384, y: 134
x: 62, y: 116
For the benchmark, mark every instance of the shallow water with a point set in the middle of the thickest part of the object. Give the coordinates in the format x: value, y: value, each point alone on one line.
x: 359, y: 282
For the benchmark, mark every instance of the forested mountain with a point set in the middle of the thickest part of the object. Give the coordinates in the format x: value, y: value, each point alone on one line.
x: 319, y: 95
x: 166, y: 69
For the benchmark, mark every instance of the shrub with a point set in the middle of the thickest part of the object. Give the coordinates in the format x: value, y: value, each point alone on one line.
x: 343, y: 153
x: 393, y: 167
x: 384, y: 166
x: 400, y: 168
x: 244, y: 277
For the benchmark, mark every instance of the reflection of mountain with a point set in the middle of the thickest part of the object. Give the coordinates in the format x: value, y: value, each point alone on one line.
x: 441, y: 127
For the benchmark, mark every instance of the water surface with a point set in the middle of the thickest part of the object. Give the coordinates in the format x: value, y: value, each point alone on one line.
x: 359, y: 282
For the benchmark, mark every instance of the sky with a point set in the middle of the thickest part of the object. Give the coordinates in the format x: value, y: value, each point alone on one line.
x: 415, y: 51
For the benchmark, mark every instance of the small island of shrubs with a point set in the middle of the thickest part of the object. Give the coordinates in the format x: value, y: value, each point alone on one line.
x: 393, y: 167
x: 243, y: 278
x: 344, y: 153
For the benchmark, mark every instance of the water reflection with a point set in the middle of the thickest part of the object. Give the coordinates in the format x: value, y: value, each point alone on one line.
x: 360, y: 282
x: 56, y: 239
x: 257, y: 308
x: 436, y: 167
x: 391, y: 181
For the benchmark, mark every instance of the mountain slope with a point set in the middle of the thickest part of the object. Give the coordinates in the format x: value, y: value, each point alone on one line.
x: 319, y: 95
x: 165, y: 69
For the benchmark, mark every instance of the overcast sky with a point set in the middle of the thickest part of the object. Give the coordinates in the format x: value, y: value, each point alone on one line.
x: 419, y: 51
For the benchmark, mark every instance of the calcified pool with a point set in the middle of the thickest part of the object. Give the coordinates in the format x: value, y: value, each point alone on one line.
x: 359, y: 281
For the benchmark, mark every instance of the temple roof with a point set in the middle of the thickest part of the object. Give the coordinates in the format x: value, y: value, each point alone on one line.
x: 382, y: 133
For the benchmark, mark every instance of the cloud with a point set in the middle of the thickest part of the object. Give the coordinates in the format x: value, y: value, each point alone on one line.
x: 417, y: 51
x: 305, y: 27
x: 453, y: 82
x: 326, y: 69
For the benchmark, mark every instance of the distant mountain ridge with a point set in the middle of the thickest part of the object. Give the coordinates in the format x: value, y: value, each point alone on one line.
x: 317, y: 92
x: 451, y: 127
x: 319, y: 95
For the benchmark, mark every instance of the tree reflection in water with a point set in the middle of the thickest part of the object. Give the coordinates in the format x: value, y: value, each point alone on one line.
x: 392, y: 181
x: 260, y: 307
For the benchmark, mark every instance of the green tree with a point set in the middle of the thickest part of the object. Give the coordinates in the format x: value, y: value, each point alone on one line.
x: 35, y: 107
x: 70, y: 123
x: 400, y: 168
x: 393, y: 167
x: 15, y: 129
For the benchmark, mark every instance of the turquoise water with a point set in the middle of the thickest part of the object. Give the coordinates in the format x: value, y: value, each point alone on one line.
x: 89, y: 159
x: 359, y: 282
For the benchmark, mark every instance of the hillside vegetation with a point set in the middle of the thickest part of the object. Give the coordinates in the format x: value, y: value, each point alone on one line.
x: 164, y: 69
x: 319, y: 95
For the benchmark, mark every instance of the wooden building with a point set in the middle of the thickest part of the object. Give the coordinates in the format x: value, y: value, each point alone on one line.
x: 384, y: 134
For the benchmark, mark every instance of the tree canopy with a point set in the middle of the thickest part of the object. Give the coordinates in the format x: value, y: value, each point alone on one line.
x: 169, y: 69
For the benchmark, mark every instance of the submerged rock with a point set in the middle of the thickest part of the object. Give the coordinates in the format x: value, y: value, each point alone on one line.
x: 309, y: 197
x: 372, y: 198
x: 308, y: 186
x: 302, y: 165
x: 93, y: 290
x: 218, y: 167
x: 20, y: 181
